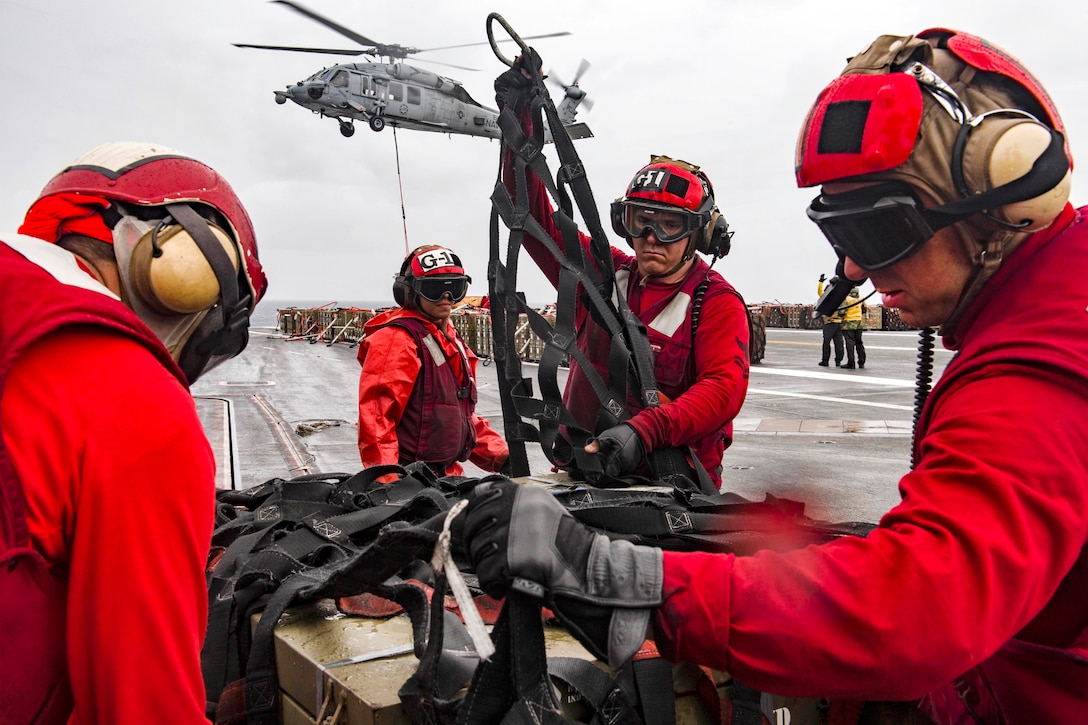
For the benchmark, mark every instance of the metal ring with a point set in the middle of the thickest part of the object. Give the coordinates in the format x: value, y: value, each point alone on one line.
x: 513, y: 35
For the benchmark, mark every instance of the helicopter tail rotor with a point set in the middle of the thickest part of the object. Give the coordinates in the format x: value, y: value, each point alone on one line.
x: 572, y: 91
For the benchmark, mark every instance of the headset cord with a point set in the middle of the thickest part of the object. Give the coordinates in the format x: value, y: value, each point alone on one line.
x: 697, y: 304
x: 922, y: 383
x: 855, y: 304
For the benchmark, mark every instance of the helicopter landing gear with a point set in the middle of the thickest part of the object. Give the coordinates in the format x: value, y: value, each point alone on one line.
x: 347, y: 129
x: 377, y: 123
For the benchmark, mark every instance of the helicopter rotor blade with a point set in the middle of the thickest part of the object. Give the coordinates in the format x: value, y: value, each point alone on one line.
x: 438, y: 62
x: 330, y: 24
x: 374, y: 47
x: 327, y: 51
x: 551, y: 76
x: 504, y: 40
x: 582, y: 68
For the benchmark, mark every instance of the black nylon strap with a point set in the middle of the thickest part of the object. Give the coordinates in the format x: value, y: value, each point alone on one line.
x: 724, y: 523
x: 746, y: 705
x: 446, y: 662
x: 653, y: 676
x: 598, y: 689
x: 513, y: 687
x: 293, y: 544
x: 550, y: 413
x: 364, y: 571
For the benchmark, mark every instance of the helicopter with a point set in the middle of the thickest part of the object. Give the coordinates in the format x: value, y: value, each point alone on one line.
x: 391, y: 92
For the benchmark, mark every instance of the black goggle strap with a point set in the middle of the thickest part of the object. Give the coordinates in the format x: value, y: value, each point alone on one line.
x: 866, y: 202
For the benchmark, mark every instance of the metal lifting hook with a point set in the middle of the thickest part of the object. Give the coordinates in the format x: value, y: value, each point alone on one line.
x: 513, y: 36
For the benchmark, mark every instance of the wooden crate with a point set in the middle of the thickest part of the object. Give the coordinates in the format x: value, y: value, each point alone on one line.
x: 366, y: 692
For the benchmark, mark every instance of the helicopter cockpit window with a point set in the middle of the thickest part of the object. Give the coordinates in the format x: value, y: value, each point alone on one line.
x: 413, y: 95
x: 340, y: 80
x: 462, y: 95
x: 396, y: 91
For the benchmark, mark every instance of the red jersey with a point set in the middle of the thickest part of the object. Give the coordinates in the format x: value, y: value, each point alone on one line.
x: 979, y: 576
x: 118, y: 486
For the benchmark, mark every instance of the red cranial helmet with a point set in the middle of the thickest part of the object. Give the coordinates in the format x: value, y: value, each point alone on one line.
x: 430, y: 272
x: 943, y: 115
x: 162, y: 210
x: 675, y: 200
x: 945, y: 112
x: 148, y: 175
x: 671, y: 183
x: 431, y: 259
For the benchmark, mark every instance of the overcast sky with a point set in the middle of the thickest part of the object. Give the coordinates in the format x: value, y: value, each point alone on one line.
x: 723, y: 84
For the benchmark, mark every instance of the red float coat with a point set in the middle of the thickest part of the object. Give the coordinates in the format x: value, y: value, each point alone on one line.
x: 980, y: 569
x: 705, y: 379
x: 108, y: 493
x: 409, y: 408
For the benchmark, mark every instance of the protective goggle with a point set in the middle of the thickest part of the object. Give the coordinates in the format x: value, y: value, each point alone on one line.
x: 433, y: 289
x: 877, y: 226
x: 668, y: 224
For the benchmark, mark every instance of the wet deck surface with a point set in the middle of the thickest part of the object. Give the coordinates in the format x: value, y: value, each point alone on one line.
x: 836, y: 439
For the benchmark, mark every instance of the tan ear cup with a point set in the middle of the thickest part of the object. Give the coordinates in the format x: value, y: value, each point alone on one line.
x: 180, y: 280
x: 1012, y: 156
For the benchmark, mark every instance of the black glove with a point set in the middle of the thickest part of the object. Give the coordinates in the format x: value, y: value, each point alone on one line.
x: 823, y: 277
x: 603, y: 590
x: 621, y: 450
x: 512, y: 88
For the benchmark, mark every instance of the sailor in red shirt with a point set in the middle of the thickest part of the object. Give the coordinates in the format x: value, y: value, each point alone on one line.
x: 417, y: 388
x: 945, y: 181
x: 696, y: 322
x: 137, y: 272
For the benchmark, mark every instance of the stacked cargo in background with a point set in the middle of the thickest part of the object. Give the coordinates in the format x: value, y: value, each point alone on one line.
x: 332, y: 325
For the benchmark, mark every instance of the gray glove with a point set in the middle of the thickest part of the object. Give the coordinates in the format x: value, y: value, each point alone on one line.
x: 621, y: 450
x: 603, y: 590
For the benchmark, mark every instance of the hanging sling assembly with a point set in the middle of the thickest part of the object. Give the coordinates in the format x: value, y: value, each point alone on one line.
x: 590, y: 278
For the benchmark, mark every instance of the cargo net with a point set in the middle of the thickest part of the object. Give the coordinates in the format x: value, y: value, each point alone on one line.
x: 586, y: 274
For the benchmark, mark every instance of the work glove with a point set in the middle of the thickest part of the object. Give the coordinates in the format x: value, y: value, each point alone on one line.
x: 620, y: 450
x: 604, y: 591
x: 513, y: 88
